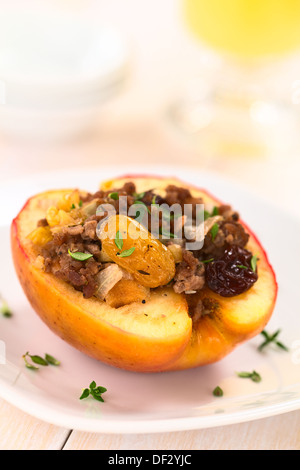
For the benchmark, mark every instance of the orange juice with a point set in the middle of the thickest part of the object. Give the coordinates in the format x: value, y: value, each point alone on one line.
x: 246, y: 28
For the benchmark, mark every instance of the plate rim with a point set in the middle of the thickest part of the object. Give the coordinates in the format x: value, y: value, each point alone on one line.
x: 155, y: 426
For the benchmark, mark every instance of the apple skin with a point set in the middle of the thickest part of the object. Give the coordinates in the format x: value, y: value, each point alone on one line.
x: 153, y: 337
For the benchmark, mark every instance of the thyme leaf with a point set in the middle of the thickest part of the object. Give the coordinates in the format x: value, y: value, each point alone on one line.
x: 214, y: 230
x: 4, y: 309
x: 218, y: 392
x: 52, y: 360
x: 114, y: 196
x: 138, y: 196
x: 119, y: 240
x: 78, y: 256
x: 254, y: 376
x: 253, y: 262
x: 126, y: 253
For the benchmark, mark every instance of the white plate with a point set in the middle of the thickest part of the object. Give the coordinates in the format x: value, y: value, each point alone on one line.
x: 142, y: 403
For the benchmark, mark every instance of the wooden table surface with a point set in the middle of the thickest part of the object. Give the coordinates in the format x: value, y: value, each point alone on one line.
x: 132, y: 128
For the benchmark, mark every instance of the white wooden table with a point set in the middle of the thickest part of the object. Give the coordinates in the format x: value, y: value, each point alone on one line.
x: 132, y: 130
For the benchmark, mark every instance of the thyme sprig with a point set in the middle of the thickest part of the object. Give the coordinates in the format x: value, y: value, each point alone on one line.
x: 271, y: 338
x: 254, y: 376
x: 119, y: 240
x: 119, y: 244
x: 217, y: 391
x: 93, y: 390
x: 48, y: 359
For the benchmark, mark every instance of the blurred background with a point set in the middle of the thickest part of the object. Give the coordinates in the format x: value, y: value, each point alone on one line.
x: 210, y: 84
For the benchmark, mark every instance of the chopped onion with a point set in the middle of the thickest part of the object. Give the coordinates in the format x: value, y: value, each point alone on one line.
x: 104, y: 258
x: 107, y: 279
x: 208, y: 223
x: 90, y: 208
x: 193, y: 233
x: 176, y: 251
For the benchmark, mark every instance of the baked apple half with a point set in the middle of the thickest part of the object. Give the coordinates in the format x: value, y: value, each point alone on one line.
x: 147, y: 274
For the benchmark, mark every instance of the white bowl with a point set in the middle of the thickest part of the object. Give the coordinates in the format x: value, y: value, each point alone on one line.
x: 56, y: 66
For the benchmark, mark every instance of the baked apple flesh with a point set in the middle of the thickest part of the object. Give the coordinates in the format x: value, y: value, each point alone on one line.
x: 139, y: 336
x: 152, y: 336
x: 229, y: 321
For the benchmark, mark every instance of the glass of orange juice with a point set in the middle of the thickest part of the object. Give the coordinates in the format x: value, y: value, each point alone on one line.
x: 257, y: 44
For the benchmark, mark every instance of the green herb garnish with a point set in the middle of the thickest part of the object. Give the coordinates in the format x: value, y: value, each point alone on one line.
x: 140, y: 213
x: 143, y: 205
x: 166, y: 213
x: 36, y: 359
x: 52, y: 360
x: 94, y: 391
x: 39, y: 360
x: 114, y: 196
x: 218, y: 392
x: 79, y: 205
x: 254, y: 376
x: 166, y: 234
x: 206, y: 215
x: 85, y: 394
x: 207, y: 260
x: 241, y: 266
x: 214, y: 230
x: 271, y: 338
x: 119, y: 240
x: 78, y: 256
x: 28, y: 364
x: 253, y: 262
x: 126, y: 253
x: 214, y: 212
x: 139, y: 195
x: 5, y: 310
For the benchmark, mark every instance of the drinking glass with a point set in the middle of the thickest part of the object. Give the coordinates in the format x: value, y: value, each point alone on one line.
x: 244, y: 100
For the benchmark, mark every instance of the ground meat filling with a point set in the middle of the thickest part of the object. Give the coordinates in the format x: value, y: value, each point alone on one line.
x: 229, y: 233
x: 82, y: 275
x: 190, y: 274
x: 191, y: 271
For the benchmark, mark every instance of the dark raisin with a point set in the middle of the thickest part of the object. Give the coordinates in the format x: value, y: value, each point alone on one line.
x: 231, y: 274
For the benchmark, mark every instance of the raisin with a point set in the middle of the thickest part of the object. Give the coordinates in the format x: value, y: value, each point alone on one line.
x: 231, y: 274
x: 150, y: 262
